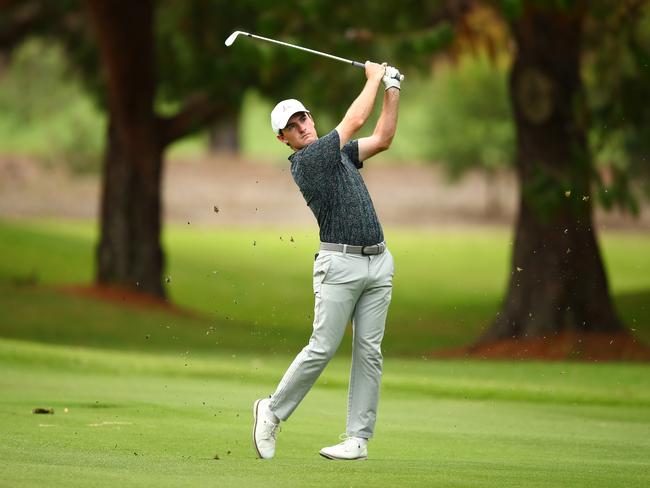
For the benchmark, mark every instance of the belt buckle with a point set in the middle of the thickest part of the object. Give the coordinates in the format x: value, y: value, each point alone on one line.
x: 364, y: 253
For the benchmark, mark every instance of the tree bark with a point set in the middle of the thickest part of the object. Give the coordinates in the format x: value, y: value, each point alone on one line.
x: 224, y: 135
x: 129, y: 251
x: 558, y: 281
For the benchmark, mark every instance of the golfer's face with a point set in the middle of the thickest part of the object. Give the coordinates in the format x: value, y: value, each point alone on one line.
x: 300, y: 131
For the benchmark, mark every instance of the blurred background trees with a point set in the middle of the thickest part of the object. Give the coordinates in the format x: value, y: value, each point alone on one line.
x: 617, y: 78
x: 490, y: 85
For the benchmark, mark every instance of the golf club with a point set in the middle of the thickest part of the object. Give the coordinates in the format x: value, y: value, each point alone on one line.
x: 233, y: 36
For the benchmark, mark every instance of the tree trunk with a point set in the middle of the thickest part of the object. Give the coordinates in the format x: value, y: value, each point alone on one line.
x: 129, y: 252
x: 224, y: 135
x: 558, y: 282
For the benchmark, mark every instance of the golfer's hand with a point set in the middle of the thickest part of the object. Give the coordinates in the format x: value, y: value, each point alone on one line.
x: 392, y: 78
x: 374, y: 71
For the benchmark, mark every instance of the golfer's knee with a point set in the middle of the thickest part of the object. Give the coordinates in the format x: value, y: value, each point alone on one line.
x: 319, y: 352
x: 369, y: 350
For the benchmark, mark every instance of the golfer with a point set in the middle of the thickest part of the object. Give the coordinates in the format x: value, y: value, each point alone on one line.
x: 353, y: 270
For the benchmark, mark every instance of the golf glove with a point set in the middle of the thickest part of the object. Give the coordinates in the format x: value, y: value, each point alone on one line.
x: 392, y: 78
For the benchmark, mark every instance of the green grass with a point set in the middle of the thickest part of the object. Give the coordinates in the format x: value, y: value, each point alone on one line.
x: 253, y: 287
x: 160, y: 419
x: 152, y: 396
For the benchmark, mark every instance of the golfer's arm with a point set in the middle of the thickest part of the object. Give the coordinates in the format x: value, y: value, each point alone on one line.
x: 382, y: 136
x: 358, y: 112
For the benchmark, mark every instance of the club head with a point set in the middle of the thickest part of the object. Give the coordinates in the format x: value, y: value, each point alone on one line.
x: 232, y: 37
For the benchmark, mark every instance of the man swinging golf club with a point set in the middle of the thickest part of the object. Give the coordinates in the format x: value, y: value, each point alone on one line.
x: 353, y: 271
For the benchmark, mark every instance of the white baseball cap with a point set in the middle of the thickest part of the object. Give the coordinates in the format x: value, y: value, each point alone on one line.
x: 283, y: 111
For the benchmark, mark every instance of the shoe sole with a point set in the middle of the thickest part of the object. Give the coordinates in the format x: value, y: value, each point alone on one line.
x: 334, y: 458
x: 257, y: 402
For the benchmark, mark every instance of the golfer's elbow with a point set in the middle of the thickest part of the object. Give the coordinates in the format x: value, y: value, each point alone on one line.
x: 383, y: 141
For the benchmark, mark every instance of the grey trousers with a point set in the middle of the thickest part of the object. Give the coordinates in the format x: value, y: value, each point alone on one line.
x: 346, y: 286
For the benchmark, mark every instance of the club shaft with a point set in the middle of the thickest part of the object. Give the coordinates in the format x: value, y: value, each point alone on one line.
x: 336, y: 58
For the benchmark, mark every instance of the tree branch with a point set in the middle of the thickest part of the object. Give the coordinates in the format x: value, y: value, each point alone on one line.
x: 198, y: 111
x: 20, y: 21
x: 449, y: 11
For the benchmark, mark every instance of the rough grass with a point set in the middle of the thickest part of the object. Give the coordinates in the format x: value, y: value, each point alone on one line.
x: 253, y: 287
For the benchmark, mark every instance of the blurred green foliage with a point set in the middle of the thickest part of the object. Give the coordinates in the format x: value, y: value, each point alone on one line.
x: 44, y: 111
x: 47, y: 113
x: 618, y: 85
x: 470, y: 121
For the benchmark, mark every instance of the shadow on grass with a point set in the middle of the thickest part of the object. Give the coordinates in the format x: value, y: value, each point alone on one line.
x: 634, y: 309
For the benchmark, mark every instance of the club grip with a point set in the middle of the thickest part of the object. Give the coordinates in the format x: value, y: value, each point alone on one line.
x: 399, y: 77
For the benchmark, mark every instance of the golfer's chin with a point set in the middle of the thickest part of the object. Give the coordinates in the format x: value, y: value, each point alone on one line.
x: 308, y: 139
x: 305, y: 141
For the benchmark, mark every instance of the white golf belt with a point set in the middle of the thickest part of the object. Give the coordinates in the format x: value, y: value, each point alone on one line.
x: 349, y: 249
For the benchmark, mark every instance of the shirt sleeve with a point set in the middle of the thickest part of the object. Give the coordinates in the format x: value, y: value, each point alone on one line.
x: 352, y: 150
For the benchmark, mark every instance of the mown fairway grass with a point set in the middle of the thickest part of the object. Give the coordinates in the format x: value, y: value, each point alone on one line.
x: 137, y: 419
x: 153, y: 397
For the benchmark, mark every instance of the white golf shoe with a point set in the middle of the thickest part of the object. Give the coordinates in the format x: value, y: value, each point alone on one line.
x: 351, y: 449
x: 265, y: 427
